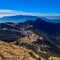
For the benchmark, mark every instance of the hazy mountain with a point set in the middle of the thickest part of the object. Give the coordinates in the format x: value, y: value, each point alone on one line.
x: 52, y: 19
x: 17, y: 18
x: 23, y: 18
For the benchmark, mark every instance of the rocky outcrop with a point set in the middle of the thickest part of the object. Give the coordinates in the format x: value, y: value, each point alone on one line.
x: 29, y: 37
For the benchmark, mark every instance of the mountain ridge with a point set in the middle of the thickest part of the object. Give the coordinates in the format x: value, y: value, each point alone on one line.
x: 34, y: 35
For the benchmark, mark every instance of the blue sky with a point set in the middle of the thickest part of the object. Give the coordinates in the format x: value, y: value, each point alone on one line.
x: 36, y: 6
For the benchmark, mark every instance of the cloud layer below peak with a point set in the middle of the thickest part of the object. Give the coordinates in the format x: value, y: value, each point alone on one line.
x: 13, y: 13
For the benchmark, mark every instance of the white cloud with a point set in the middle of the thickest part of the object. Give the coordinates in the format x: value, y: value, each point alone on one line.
x: 13, y: 12
x: 8, y: 13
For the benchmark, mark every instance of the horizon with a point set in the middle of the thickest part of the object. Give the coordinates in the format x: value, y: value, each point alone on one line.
x: 5, y: 14
x: 40, y: 8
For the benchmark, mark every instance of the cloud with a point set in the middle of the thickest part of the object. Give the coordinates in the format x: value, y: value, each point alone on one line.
x: 8, y: 13
x: 13, y: 12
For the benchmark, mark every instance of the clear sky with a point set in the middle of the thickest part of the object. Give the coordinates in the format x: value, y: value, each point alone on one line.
x: 37, y: 6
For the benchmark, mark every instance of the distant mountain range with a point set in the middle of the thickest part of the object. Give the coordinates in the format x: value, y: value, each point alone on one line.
x: 52, y: 19
x: 23, y: 18
x: 17, y: 18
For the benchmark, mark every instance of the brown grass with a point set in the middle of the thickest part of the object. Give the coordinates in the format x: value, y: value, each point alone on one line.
x: 12, y: 52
